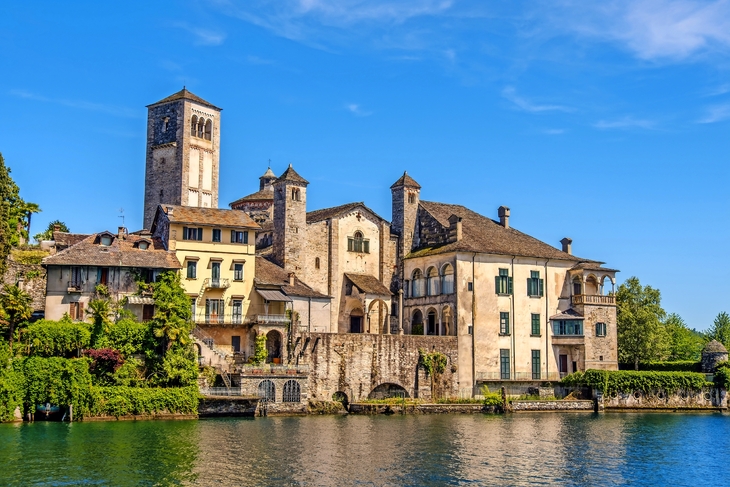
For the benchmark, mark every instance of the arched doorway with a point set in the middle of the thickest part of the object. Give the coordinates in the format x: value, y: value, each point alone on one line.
x: 378, y: 317
x: 388, y: 389
x: 417, y: 323
x: 432, y: 322
x: 356, y: 320
x: 273, y: 345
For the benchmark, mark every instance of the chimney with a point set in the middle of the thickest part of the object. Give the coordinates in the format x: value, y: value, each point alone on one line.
x: 503, y: 213
x: 56, y: 228
x: 455, y: 232
x: 172, y: 242
x: 169, y: 211
x: 292, y: 279
x: 121, y: 232
x: 567, y: 245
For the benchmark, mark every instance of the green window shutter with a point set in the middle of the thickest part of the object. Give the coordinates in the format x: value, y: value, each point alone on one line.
x: 497, y: 281
x: 200, y: 234
x: 245, y: 237
x: 540, y: 283
x: 529, y: 286
x: 366, y: 246
x: 350, y: 245
x: 510, y: 290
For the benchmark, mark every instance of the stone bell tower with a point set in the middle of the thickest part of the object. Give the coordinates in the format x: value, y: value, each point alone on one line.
x: 183, y: 148
x: 290, y: 220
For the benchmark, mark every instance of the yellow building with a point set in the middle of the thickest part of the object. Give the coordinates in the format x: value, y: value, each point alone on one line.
x: 216, y: 249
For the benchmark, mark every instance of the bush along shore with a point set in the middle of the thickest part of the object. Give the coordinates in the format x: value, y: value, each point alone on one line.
x: 110, y: 366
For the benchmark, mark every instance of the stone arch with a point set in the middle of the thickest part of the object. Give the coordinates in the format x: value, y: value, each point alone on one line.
x: 432, y: 322
x: 577, y: 283
x: 417, y: 322
x: 432, y: 281
x: 388, y: 389
x: 591, y: 285
x: 447, y: 321
x: 417, y: 284
x: 447, y: 279
x: 194, y: 126
x: 273, y: 345
x: 292, y: 391
x: 208, y: 129
x: 378, y: 316
x: 201, y: 125
x: 607, y: 285
x: 340, y: 396
x: 267, y: 390
x: 356, y: 320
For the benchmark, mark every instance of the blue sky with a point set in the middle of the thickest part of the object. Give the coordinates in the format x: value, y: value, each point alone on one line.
x: 607, y: 122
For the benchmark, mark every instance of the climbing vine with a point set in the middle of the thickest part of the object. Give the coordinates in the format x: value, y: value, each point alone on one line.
x: 260, y: 352
x: 434, y: 362
x: 628, y: 381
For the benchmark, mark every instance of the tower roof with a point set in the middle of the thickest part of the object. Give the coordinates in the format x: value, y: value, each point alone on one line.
x: 268, y: 174
x: 184, y: 94
x: 714, y: 347
x: 406, y: 180
x: 291, y: 175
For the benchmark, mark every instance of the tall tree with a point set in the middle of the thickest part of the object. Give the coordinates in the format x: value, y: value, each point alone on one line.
x: 172, y: 319
x: 28, y: 209
x: 720, y: 329
x: 16, y: 307
x: 9, y: 203
x: 641, y: 335
x: 47, y: 234
x: 684, y: 343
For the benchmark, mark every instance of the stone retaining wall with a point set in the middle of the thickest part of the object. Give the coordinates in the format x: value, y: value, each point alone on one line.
x: 140, y: 417
x: 210, y: 407
x: 579, y: 405
x: 709, y: 398
x: 364, y: 408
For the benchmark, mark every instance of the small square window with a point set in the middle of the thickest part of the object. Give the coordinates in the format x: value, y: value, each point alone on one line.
x: 192, y: 268
x: 238, y: 272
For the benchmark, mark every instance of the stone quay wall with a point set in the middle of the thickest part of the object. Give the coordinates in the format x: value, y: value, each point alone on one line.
x: 363, y: 365
x: 576, y: 405
x: 366, y: 408
x: 710, y: 399
x: 211, y: 407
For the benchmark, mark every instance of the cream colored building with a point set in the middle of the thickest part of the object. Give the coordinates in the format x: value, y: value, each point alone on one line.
x: 116, y: 261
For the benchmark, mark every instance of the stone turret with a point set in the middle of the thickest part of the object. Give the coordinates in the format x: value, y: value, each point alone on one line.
x: 713, y: 353
x: 267, y: 180
x: 290, y: 220
x: 406, y: 194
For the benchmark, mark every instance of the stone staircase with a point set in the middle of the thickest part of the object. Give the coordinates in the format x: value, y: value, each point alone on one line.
x: 210, y: 354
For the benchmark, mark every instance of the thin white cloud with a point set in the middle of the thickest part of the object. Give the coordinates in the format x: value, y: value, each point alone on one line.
x: 81, y: 104
x: 719, y: 90
x: 257, y: 60
x: 203, y: 37
x: 357, y: 110
x: 554, y: 131
x: 627, y: 122
x: 523, y: 104
x: 717, y: 113
x: 651, y: 29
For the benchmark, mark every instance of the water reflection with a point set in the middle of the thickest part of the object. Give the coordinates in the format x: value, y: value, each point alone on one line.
x: 519, y: 449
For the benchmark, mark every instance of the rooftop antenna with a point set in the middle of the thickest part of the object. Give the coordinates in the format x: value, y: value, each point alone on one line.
x: 269, y: 163
x: 121, y: 215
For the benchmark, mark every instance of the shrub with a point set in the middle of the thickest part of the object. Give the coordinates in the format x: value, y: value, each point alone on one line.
x: 491, y: 398
x: 128, y: 336
x: 628, y: 381
x: 104, y: 362
x: 120, y: 401
x: 56, y: 380
x: 667, y: 366
x: 46, y: 338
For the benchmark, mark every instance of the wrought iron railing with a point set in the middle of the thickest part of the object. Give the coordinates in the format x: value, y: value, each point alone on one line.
x: 273, y: 369
x: 75, y: 286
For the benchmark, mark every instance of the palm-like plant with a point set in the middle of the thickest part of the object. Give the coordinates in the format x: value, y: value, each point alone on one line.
x: 16, y: 307
x: 100, y: 311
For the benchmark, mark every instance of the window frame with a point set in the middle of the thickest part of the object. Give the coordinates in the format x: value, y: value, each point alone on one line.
x: 239, y: 237
x: 504, y: 364
x: 358, y: 244
x: 193, y: 233
x: 601, y: 329
x: 535, y: 285
x: 535, y: 325
x: 536, y: 369
x: 237, y: 272
x: 216, y: 235
x: 191, y: 264
x: 504, y: 323
x: 503, y: 283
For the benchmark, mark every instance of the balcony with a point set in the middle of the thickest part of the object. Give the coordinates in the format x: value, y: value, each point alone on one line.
x: 212, y: 283
x: 220, y: 319
x: 271, y: 319
x: 516, y: 376
x: 594, y: 299
x: 74, y: 286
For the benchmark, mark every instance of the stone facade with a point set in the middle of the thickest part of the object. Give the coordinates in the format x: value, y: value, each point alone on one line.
x: 31, y: 278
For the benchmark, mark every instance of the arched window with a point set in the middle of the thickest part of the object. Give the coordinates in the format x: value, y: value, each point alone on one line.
x: 194, y: 126
x: 296, y: 194
x: 418, y: 284
x: 432, y: 323
x: 267, y: 390
x: 208, y: 129
x: 606, y: 286
x: 201, y: 125
x: 447, y: 279
x: 316, y: 262
x: 292, y: 391
x: 432, y: 282
x: 358, y: 243
x: 411, y: 198
x: 417, y: 323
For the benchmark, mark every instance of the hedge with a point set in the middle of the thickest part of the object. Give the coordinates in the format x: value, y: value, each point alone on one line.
x: 48, y: 338
x: 675, y: 366
x: 628, y: 381
x: 120, y: 400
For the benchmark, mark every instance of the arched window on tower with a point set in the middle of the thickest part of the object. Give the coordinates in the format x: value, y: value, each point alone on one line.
x: 201, y: 125
x: 295, y: 194
x: 411, y: 198
x: 208, y: 129
x: 316, y: 262
x: 194, y: 126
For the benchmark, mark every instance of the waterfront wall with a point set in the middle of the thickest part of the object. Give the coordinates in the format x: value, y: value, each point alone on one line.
x: 365, y: 365
x: 561, y: 405
x: 709, y: 398
x: 211, y: 407
x: 365, y: 408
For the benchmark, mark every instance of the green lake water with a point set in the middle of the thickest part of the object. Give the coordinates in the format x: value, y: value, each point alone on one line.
x: 516, y: 449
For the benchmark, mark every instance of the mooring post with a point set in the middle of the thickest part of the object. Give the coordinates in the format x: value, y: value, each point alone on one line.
x: 70, y: 413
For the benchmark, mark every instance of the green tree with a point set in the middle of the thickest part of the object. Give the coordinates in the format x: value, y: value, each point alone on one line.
x: 720, y: 329
x: 16, y: 308
x: 100, y: 311
x: 27, y: 209
x: 684, y: 343
x: 47, y: 234
x: 641, y: 336
x: 172, y: 319
x: 9, y: 204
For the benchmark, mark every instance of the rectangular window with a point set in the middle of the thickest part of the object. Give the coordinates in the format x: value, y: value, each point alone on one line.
x: 504, y: 323
x: 502, y: 282
x: 536, y: 365
x: 216, y: 234
x: 76, y: 311
x: 102, y: 275
x: 535, y: 330
x: 504, y: 363
x: 192, y: 269
x: 238, y: 272
x: 190, y: 233
x: 600, y: 329
x: 534, y: 284
x: 76, y: 278
x: 237, y: 316
x: 470, y: 286
x: 568, y: 327
x: 214, y: 310
x: 239, y: 237
x: 193, y: 307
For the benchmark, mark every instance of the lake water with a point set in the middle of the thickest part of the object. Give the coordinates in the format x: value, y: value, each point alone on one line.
x: 517, y: 449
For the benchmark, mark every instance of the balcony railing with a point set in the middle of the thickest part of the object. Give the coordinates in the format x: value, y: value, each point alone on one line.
x: 75, y: 286
x: 609, y: 300
x: 272, y: 319
x: 265, y: 369
x: 215, y: 283
x: 521, y: 376
x: 220, y: 319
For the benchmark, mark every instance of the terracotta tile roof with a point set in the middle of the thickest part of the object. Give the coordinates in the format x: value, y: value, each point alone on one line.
x: 64, y: 240
x: 291, y: 175
x: 481, y: 234
x: 369, y: 284
x: 184, y: 94
x: 270, y: 274
x: 406, y: 180
x: 263, y: 195
x: 210, y: 216
x: 592, y: 266
x: 326, y: 213
x: 121, y: 253
x: 568, y: 314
